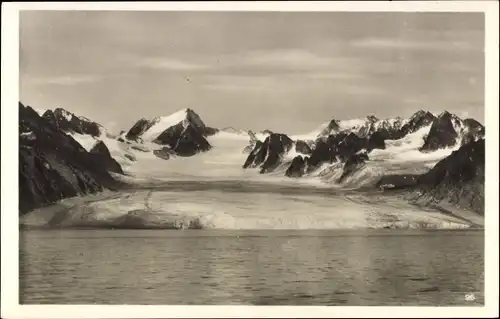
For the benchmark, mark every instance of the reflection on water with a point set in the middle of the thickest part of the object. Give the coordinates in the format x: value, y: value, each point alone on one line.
x: 357, y: 268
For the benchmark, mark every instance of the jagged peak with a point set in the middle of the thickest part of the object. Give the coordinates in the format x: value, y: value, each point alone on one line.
x: 421, y: 113
x: 450, y: 116
x: 151, y: 129
x: 472, y: 122
x: 445, y: 114
x: 26, y: 109
x: 64, y: 113
x: 190, y: 111
x: 61, y: 110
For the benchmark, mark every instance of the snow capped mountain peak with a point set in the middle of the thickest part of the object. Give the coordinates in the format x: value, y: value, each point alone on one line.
x: 62, y: 112
x: 149, y: 130
x: 421, y: 114
x: 70, y: 123
x: 372, y: 118
x: 446, y: 114
x: 332, y: 127
x: 362, y: 127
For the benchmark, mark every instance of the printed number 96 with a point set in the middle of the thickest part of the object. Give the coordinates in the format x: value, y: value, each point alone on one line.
x: 470, y: 297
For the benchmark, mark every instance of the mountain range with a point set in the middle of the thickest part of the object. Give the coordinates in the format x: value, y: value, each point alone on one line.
x: 63, y: 155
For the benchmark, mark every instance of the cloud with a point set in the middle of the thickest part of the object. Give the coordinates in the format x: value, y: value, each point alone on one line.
x: 296, y: 59
x: 402, y: 44
x: 335, y: 76
x: 228, y: 87
x: 286, y: 58
x: 66, y: 79
x: 289, y: 63
x: 164, y: 63
x: 235, y: 83
x: 359, y: 89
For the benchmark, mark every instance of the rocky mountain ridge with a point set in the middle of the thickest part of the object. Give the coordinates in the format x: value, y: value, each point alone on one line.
x: 348, y: 143
x: 54, y: 166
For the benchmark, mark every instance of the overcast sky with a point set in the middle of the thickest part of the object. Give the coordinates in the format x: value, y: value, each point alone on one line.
x: 287, y: 72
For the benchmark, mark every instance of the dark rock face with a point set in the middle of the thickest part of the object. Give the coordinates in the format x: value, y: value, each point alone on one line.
x: 138, y: 129
x: 209, y: 131
x: 170, y: 136
x: 163, y: 153
x: 252, y: 157
x: 473, y: 131
x: 441, y: 135
x: 351, y: 144
x: 253, y: 141
x: 186, y: 138
x: 248, y: 148
x: 195, y: 121
x: 68, y: 122
x: 460, y: 166
x: 302, y: 147
x: 297, y: 167
x: 353, y: 163
x: 385, y: 129
x: 336, y: 147
x: 268, y: 154
x: 467, y: 138
x: 332, y: 128
x: 252, y: 136
x: 474, y: 126
x: 458, y: 178
x: 376, y: 141
x: 130, y: 157
x: 44, y: 180
x: 191, y: 142
x: 53, y: 166
x: 184, y: 141
x: 416, y: 122
x: 139, y: 148
x: 101, y: 154
x: 324, y: 152
x: 389, y: 129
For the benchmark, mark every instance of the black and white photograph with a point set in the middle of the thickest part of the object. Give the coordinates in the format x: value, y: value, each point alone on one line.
x: 252, y: 158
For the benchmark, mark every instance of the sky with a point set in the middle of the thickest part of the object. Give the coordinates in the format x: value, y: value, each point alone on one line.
x: 284, y: 71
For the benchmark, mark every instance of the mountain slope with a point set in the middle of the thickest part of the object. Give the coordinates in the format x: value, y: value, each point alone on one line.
x: 70, y: 123
x: 53, y: 166
x: 396, y: 151
x: 183, y: 132
x: 457, y: 179
x: 150, y: 130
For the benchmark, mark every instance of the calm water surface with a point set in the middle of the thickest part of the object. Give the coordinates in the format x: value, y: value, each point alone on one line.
x: 356, y: 268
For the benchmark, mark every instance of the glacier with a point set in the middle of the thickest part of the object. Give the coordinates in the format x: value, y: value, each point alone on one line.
x: 211, y: 190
